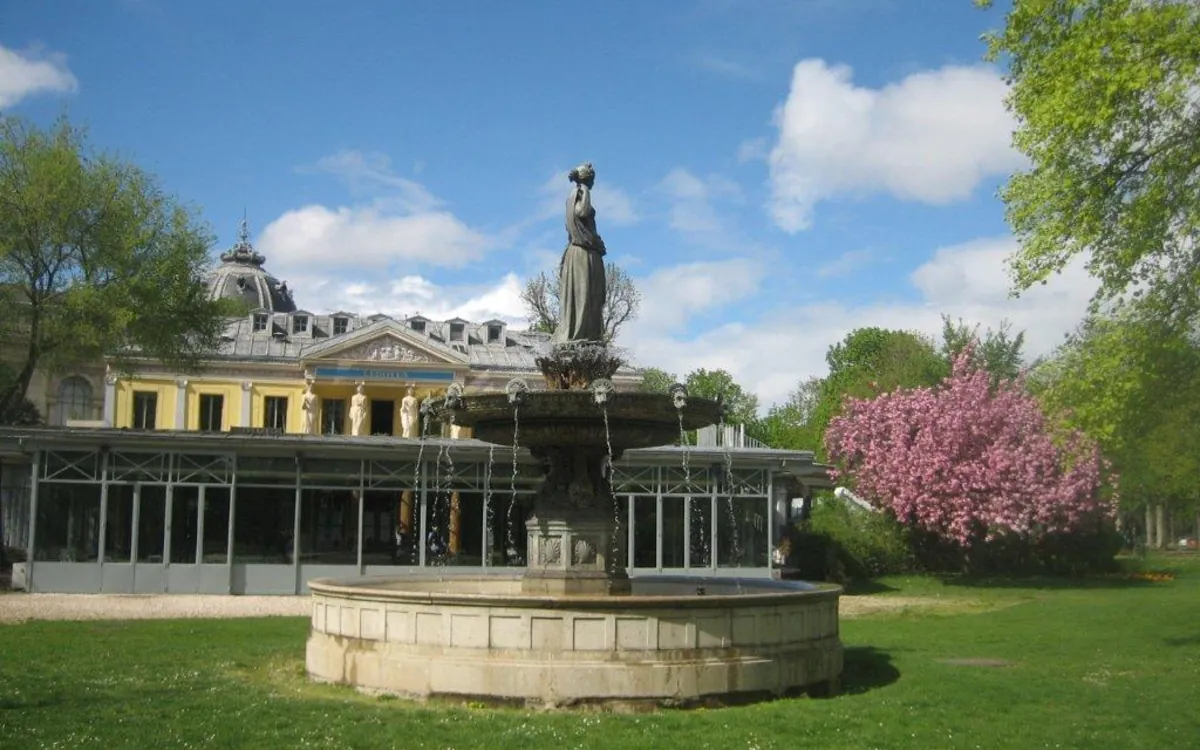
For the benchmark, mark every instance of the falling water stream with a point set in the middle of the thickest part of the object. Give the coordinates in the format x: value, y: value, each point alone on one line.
x: 417, y: 496
x: 516, y: 390
x: 602, y: 391
x: 730, y: 487
x: 489, y: 513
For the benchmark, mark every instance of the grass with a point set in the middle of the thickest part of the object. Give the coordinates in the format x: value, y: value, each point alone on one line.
x: 1096, y: 663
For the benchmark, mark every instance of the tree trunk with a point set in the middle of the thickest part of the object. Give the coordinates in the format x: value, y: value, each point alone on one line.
x: 12, y: 395
x: 1149, y: 526
x: 1161, y: 527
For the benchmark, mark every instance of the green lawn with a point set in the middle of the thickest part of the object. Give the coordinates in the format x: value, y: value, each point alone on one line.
x: 1106, y: 663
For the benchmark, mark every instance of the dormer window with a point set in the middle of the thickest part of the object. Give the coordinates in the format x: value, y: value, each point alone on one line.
x: 340, y: 325
x: 417, y: 325
x: 494, y: 332
x: 261, y: 321
x: 456, y: 331
x: 299, y: 323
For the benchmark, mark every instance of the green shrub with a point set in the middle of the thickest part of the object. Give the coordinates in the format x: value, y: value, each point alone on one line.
x: 842, y: 544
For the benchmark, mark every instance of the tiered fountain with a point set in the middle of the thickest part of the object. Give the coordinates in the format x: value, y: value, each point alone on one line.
x: 573, y: 627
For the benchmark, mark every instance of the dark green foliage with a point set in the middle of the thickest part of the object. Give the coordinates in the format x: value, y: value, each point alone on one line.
x: 843, y: 544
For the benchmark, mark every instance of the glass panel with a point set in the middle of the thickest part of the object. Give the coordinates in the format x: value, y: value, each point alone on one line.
x: 185, y: 504
x: 145, y: 408
x: 216, y: 524
x: 118, y: 526
x: 742, y: 532
x: 263, y: 522
x: 673, y: 538
x: 275, y: 412
x: 68, y: 523
x: 212, y: 409
x: 328, y: 519
x: 506, y: 518
x: 389, y: 528
x: 701, y: 532
x: 337, y: 472
x: 152, y: 520
x: 645, y: 531
x: 266, y: 470
x: 333, y: 416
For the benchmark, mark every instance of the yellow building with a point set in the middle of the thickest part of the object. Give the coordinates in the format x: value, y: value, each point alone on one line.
x: 258, y: 378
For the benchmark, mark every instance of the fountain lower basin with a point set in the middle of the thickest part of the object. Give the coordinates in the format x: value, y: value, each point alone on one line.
x: 664, y: 644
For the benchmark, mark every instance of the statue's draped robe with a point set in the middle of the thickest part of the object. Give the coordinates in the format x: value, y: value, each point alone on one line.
x: 581, y: 274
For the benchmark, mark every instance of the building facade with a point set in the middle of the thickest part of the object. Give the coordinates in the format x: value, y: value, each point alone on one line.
x: 264, y: 470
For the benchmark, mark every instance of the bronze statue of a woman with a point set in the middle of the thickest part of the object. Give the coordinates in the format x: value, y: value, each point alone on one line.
x: 582, y: 286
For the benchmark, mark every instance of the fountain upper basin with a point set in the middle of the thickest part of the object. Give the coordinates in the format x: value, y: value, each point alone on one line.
x: 574, y: 418
x: 479, y: 637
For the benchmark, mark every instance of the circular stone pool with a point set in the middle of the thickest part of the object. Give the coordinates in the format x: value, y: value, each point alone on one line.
x: 674, y: 641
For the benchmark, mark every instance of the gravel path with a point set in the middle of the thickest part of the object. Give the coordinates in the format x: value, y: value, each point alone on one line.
x: 21, y: 607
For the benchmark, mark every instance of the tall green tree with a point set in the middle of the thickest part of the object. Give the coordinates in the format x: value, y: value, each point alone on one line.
x: 741, y: 405
x: 95, y: 259
x: 1104, y: 92
x: 998, y: 351
x: 1133, y: 384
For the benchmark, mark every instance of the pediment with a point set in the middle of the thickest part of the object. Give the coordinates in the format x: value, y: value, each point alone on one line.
x: 384, y: 341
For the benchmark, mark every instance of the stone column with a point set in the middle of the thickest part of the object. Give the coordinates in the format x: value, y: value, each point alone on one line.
x: 110, y: 398
x: 455, y: 523
x: 405, y: 527
x: 181, y: 404
x: 246, y: 417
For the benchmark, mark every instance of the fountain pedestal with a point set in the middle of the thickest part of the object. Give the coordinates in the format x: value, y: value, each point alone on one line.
x: 574, y: 546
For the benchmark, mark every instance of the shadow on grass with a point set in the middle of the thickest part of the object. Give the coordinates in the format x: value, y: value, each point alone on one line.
x: 866, y: 668
x: 867, y: 587
x: 1187, y: 640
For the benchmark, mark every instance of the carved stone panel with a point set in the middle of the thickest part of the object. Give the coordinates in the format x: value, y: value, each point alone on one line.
x: 384, y: 350
x: 550, y: 551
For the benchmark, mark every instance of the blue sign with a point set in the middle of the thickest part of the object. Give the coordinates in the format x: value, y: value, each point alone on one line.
x: 365, y: 373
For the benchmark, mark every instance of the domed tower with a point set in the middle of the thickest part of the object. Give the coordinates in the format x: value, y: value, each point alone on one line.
x: 241, y: 276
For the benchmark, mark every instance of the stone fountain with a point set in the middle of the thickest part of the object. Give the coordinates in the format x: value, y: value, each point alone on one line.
x: 573, y: 627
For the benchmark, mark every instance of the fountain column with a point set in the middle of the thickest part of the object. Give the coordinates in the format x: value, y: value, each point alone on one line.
x: 572, y: 547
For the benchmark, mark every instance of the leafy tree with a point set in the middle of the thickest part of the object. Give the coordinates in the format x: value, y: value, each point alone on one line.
x: 866, y: 362
x: 968, y: 461
x: 998, y: 351
x: 621, y: 300
x: 94, y: 260
x: 741, y: 406
x: 655, y: 380
x: 1104, y: 92
x: 1133, y: 384
x: 791, y: 424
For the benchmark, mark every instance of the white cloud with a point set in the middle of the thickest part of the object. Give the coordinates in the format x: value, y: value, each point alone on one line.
x: 774, y: 353
x: 409, y: 295
x: 24, y: 74
x: 403, y: 223
x: 932, y: 137
x: 845, y: 264
x: 369, y: 238
x: 372, y: 171
x: 692, y: 199
x: 672, y: 295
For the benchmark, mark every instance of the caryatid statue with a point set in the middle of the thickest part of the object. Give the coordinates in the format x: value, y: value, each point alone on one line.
x: 358, y: 411
x: 409, y: 414
x: 582, y: 285
x: 308, y: 405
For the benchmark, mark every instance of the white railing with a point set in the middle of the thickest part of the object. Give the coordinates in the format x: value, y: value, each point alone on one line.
x: 726, y: 436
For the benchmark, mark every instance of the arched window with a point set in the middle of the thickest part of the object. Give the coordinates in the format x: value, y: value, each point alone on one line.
x: 74, y: 400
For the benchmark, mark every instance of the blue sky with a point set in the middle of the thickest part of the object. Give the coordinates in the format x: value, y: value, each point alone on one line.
x: 773, y: 174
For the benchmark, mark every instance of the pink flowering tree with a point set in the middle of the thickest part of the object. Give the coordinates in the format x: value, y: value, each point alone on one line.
x: 969, y: 461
